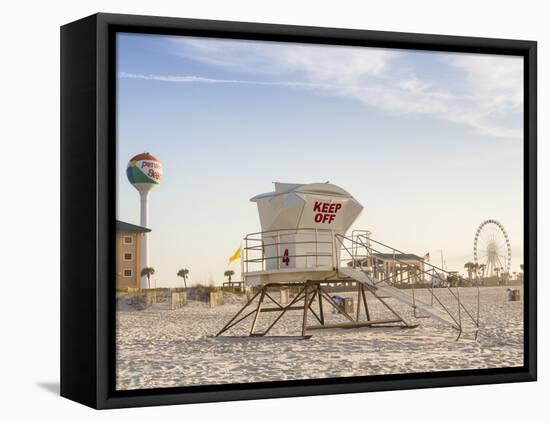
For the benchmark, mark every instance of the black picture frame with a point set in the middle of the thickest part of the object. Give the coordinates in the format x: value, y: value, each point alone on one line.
x: 88, y: 209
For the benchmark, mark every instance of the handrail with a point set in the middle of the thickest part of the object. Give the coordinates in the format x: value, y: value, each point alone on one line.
x: 460, y: 278
x: 294, y: 255
x: 407, y: 268
x: 289, y: 243
x: 254, y: 249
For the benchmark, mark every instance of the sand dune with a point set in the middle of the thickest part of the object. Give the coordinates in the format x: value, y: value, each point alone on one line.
x: 161, y: 348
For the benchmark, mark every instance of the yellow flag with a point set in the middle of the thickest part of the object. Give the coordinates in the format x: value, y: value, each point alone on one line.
x: 235, y: 256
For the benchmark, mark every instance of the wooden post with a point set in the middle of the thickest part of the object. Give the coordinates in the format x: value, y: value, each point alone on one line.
x: 177, y: 300
x: 150, y: 298
x: 283, y: 295
x: 214, y: 299
x: 348, y: 305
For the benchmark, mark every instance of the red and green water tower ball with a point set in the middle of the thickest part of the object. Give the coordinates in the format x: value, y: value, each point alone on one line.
x: 144, y: 171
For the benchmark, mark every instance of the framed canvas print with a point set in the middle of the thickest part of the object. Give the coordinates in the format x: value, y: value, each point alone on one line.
x: 257, y: 211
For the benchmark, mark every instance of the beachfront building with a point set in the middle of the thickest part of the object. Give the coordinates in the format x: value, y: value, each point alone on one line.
x: 128, y: 255
x: 396, y: 268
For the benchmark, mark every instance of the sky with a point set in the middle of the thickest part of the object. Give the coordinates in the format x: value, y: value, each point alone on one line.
x: 430, y: 143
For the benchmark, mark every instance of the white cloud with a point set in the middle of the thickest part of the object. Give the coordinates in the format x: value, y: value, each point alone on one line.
x: 487, y: 94
x: 496, y: 83
x: 201, y: 79
x: 327, y: 64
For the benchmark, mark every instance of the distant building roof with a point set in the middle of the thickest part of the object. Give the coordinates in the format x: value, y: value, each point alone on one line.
x: 404, y: 256
x: 391, y: 256
x: 124, y: 226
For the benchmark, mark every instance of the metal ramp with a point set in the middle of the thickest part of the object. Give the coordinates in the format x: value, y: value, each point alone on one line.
x: 360, y: 258
x: 385, y: 289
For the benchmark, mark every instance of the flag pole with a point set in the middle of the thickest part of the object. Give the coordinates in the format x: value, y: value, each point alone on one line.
x: 242, y: 263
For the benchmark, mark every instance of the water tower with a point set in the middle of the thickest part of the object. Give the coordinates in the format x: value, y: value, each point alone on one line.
x: 144, y: 172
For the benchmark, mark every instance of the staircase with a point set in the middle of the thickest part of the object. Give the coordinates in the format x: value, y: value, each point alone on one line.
x: 400, y: 295
x: 358, y: 250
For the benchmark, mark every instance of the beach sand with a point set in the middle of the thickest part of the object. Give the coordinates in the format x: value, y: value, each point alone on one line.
x: 158, y: 348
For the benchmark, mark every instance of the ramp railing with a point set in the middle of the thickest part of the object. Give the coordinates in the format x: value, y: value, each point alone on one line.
x: 390, y: 266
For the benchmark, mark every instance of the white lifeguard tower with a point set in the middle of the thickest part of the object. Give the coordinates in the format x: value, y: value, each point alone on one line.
x: 299, y: 222
x: 304, y: 248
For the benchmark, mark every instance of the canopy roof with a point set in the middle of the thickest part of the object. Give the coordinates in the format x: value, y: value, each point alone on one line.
x: 311, y: 206
x: 315, y: 188
x: 129, y: 227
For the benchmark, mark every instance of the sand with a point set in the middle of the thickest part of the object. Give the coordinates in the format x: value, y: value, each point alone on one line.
x: 157, y: 347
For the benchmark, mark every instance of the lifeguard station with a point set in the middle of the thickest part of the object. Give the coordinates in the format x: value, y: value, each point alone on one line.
x: 304, y: 247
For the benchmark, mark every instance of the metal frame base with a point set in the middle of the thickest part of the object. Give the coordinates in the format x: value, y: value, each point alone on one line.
x: 307, y: 292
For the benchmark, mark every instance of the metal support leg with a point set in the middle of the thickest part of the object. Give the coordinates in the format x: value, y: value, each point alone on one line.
x: 285, y: 309
x: 229, y: 325
x: 306, y: 306
x: 321, y: 314
x: 392, y: 310
x: 258, y: 310
x: 340, y: 309
x: 357, y: 315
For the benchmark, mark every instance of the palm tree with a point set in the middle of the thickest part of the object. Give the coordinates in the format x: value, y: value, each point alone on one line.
x: 452, y: 279
x: 182, y: 273
x: 148, y: 271
x: 229, y: 273
x: 482, y: 271
x: 520, y: 274
x: 497, y: 271
x: 470, y: 267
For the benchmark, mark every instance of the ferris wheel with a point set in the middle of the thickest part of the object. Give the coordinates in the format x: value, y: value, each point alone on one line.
x: 492, y: 250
